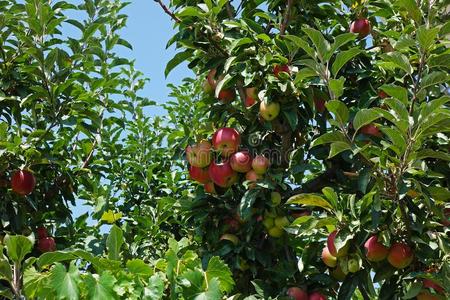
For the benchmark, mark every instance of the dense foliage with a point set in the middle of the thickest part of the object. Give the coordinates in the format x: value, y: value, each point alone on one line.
x: 318, y: 132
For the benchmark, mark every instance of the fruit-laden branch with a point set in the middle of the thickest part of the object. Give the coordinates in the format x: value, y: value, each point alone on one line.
x: 286, y: 17
x: 167, y: 11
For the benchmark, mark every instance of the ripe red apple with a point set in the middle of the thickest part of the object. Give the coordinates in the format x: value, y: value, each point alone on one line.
x: 281, y: 68
x: 260, y: 164
x: 428, y: 283
x: 250, y: 96
x: 375, y: 251
x: 226, y: 141
x: 269, y: 111
x: 297, y: 293
x: 241, y: 161
x: 209, y: 187
x: 400, y: 255
x: 382, y: 94
x: 317, y: 296
x: 332, y: 247
x: 200, y: 175
x: 361, y: 26
x: 23, y: 182
x: 319, y: 103
x: 227, y: 95
x: 328, y: 258
x: 199, y: 155
x: 41, y: 232
x: 222, y: 174
x: 371, y: 129
x: 46, y: 244
x: 253, y: 177
x: 427, y: 295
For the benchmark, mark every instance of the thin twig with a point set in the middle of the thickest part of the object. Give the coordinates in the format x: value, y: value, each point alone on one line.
x: 167, y: 11
x: 286, y: 17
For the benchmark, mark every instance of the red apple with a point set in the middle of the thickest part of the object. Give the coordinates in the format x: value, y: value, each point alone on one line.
x: 382, y: 94
x: 317, y: 296
x: 227, y: 95
x: 297, y: 293
x: 260, y: 164
x: 222, y: 174
x: 400, y: 255
x: 375, y: 251
x: 253, y: 177
x: 200, y: 175
x: 371, y: 129
x: 209, y: 187
x: 360, y: 26
x: 241, y: 161
x: 428, y: 283
x: 269, y: 111
x: 427, y: 295
x: 281, y: 68
x: 46, y: 244
x: 332, y: 247
x: 23, y: 182
x: 199, y: 155
x: 250, y: 96
x: 41, y: 232
x: 328, y: 259
x: 319, y: 103
x: 226, y: 141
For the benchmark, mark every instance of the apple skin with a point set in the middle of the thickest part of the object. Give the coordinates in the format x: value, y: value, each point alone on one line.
x: 371, y: 129
x: 382, y: 94
x: 297, y: 293
x: 360, y: 26
x: 199, y: 155
x: 260, y: 164
x: 269, y: 111
x: 281, y: 68
x: 222, y: 174
x: 316, y: 296
x: 23, y: 182
x: 332, y: 247
x: 241, y: 161
x: 427, y: 295
x: 328, y: 259
x: 400, y: 255
x: 353, y: 265
x: 268, y: 222
x: 41, y: 232
x: 226, y: 141
x: 276, y: 232
x: 227, y: 95
x: 275, y: 198
x: 375, y: 251
x: 250, y: 96
x: 207, y: 88
x: 46, y: 244
x: 319, y: 103
x: 428, y: 283
x: 201, y: 175
x: 252, y: 176
x: 209, y: 187
x: 281, y: 222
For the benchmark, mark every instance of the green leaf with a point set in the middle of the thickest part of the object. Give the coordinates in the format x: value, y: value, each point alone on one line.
x: 292, y: 118
x: 114, y: 242
x: 413, y: 290
x: 319, y: 41
x: 410, y: 6
x: 5, y: 270
x: 17, y: 246
x: 400, y: 61
x: 338, y: 147
x: 441, y: 60
x: 245, y: 207
x: 331, y: 195
x: 176, y: 60
x: 212, y: 292
x: 65, y: 282
x: 49, y: 258
x: 337, y: 86
x: 340, y: 41
x: 219, y: 270
x: 433, y: 79
x: 301, y: 43
x: 101, y: 288
x: 426, y: 37
x: 139, y: 267
x: 309, y: 200
x: 155, y: 288
x: 364, y: 117
x: 342, y: 58
x: 396, y: 92
x: 339, y: 109
x: 428, y: 153
x: 347, y: 288
x: 221, y: 83
x: 190, y: 11
x: 329, y: 137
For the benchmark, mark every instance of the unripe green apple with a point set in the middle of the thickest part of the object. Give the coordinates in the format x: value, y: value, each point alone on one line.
x: 276, y: 232
x: 268, y: 222
x: 338, y: 274
x: 281, y: 222
x: 353, y: 265
x: 269, y: 111
x: 275, y: 197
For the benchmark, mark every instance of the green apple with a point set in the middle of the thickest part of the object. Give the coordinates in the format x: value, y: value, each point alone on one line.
x: 281, y: 222
x: 276, y: 232
x: 268, y: 222
x: 275, y: 197
x: 269, y: 111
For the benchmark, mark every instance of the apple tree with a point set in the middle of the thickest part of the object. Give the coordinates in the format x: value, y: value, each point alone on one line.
x: 323, y: 160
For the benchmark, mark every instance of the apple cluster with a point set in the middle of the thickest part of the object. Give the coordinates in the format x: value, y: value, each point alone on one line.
x: 45, y: 243
x: 297, y: 293
x: 218, y: 163
x: 274, y: 223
